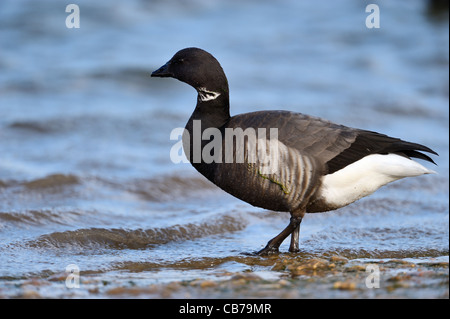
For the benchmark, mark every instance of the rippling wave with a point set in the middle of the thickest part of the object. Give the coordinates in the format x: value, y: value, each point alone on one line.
x: 39, y: 217
x: 136, y: 238
x: 157, y: 189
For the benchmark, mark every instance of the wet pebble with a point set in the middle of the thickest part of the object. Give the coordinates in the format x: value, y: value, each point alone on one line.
x: 344, y: 285
x: 246, y: 277
x: 30, y: 294
x: 208, y: 284
x: 312, y: 267
x: 355, y: 268
x: 338, y: 259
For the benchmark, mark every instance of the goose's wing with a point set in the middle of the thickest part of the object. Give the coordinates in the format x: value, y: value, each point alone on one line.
x: 333, y: 146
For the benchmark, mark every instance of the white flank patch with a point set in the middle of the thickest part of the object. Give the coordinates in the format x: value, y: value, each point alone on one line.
x: 365, y: 176
x: 206, y: 95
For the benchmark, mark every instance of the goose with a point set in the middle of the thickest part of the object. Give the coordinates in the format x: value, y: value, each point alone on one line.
x: 314, y: 165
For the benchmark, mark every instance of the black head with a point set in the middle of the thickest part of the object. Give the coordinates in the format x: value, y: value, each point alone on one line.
x: 197, y: 68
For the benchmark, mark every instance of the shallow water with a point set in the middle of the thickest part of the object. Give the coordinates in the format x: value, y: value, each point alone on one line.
x: 86, y: 177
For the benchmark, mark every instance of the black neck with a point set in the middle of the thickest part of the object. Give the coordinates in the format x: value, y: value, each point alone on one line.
x: 213, y: 113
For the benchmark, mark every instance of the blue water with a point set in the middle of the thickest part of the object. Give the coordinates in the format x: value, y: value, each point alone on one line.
x: 85, y: 172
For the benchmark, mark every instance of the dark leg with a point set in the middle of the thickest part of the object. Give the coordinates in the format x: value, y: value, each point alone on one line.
x: 273, y: 244
x: 293, y: 248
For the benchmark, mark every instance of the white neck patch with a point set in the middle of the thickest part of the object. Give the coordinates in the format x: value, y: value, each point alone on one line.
x: 206, y: 95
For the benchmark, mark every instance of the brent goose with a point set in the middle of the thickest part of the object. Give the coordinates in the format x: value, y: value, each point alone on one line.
x: 319, y: 166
